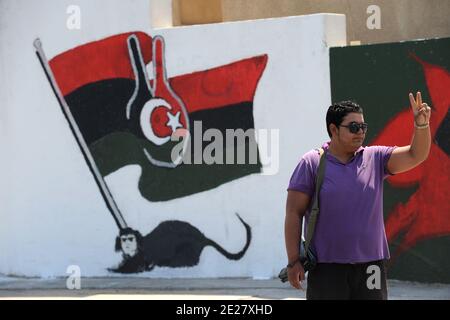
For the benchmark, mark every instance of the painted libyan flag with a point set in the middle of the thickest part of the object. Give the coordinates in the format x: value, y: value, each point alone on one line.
x: 416, y: 203
x: 125, y: 118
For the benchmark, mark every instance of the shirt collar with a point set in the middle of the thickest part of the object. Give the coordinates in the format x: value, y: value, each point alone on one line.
x: 326, y: 145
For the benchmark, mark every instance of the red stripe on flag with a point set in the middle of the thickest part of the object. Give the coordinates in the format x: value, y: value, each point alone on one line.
x: 99, y: 60
x: 225, y: 85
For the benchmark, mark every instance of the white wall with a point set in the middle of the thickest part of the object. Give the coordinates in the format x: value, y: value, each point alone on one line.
x: 51, y: 212
x: 292, y: 96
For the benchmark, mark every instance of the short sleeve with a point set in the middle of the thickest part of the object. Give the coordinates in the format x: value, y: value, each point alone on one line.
x: 385, y: 155
x: 302, y: 178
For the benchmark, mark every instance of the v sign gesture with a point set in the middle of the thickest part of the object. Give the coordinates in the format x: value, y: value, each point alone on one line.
x: 405, y: 158
x: 422, y: 111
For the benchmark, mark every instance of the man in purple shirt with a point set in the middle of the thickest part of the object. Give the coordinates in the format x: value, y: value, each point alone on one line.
x: 349, y: 238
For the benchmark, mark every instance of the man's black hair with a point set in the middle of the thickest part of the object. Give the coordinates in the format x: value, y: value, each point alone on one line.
x: 337, y: 111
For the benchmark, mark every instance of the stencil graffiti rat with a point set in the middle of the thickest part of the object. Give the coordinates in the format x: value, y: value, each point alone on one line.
x: 172, y: 243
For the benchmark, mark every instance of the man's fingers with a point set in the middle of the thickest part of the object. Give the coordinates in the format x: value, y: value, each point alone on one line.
x: 296, y: 280
x: 295, y: 284
x: 293, y: 277
x: 425, y: 112
x: 412, y: 101
x: 302, y: 278
x: 425, y: 108
x: 419, y: 99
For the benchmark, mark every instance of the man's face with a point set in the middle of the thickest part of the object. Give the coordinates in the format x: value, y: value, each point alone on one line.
x: 348, y: 140
x: 129, y: 244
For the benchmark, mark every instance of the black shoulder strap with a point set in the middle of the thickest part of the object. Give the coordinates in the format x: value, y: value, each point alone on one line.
x: 315, y: 207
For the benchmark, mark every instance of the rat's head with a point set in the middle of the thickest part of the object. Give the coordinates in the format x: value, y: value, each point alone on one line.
x: 129, y: 241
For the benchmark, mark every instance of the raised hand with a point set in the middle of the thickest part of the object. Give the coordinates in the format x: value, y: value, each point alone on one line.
x: 422, y: 111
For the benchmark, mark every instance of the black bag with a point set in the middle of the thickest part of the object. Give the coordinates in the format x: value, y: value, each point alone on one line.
x: 307, y: 257
x: 308, y: 261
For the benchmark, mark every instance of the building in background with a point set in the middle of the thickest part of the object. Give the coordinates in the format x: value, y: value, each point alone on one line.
x: 399, y: 20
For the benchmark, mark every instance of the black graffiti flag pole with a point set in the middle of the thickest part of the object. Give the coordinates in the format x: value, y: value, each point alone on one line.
x: 107, y: 196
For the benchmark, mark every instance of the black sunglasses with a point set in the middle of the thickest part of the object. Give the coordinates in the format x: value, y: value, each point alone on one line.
x: 125, y: 239
x: 354, y: 127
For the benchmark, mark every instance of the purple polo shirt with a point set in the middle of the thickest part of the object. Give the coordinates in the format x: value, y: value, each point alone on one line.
x: 350, y: 226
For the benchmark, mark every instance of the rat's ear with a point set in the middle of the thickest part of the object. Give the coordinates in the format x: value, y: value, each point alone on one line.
x: 139, y: 240
x: 118, y: 246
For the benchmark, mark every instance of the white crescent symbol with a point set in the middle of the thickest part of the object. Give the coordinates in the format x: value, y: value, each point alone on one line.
x: 145, y: 123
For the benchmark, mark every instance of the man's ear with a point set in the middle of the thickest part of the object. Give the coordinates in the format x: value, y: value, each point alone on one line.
x: 333, y: 129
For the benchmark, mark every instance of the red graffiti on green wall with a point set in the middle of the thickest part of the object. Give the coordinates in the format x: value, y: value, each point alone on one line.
x: 426, y: 214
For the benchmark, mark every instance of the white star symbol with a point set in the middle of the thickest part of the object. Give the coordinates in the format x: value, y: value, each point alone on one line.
x: 174, y: 121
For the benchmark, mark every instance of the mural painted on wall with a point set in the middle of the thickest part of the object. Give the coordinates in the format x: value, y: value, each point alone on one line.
x: 121, y: 116
x: 417, y: 208
x: 172, y: 244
